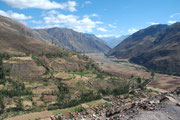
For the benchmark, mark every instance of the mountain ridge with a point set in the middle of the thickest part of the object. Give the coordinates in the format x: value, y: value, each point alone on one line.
x: 141, y: 40
x: 157, y: 50
x: 70, y: 39
x: 87, y: 42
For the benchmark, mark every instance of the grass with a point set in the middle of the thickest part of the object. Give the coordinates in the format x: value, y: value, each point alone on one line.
x: 45, y: 84
x: 108, y: 105
x: 155, y: 77
x: 72, y: 109
x: 80, y: 73
x: 147, y: 90
x: 63, y: 111
x: 80, y: 86
x: 157, y: 86
x: 134, y: 79
x: 96, y: 102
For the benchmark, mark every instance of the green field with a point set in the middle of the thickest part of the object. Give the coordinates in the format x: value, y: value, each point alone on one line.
x: 72, y: 109
x: 80, y: 73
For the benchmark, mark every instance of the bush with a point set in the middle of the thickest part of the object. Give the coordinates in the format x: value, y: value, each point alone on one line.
x: 19, y: 105
x: 79, y: 109
x: 55, y: 55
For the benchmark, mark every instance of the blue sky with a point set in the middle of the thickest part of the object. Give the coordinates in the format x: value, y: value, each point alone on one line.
x: 103, y: 18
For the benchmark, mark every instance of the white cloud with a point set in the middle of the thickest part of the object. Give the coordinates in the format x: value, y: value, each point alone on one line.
x: 132, y: 30
x: 47, y: 26
x: 102, y: 29
x: 153, y: 23
x: 42, y: 4
x: 99, y: 22
x: 60, y: 18
x: 92, y: 15
x: 53, y: 12
x: 14, y: 15
x: 88, y: 2
x: 36, y: 22
x: 112, y: 26
x: 107, y: 35
x: 73, y: 22
x: 175, y: 14
x: 172, y: 22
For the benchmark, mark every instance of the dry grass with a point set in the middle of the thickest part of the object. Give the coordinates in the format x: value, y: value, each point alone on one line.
x: 32, y: 116
x: 63, y: 75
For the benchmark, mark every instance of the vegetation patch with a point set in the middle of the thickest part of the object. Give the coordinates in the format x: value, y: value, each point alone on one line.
x: 80, y: 73
x: 80, y: 86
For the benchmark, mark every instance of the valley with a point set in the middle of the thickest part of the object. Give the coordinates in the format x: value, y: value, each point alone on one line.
x: 126, y: 70
x: 59, y: 61
x: 81, y: 81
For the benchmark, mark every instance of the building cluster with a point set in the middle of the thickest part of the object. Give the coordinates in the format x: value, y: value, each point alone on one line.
x: 119, y: 108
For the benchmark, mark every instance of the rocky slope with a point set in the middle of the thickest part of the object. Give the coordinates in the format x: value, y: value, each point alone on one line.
x: 73, y: 40
x: 156, y: 47
x: 138, y: 42
x: 15, y: 39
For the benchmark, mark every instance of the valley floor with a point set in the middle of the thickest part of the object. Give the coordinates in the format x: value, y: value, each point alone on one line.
x: 125, y: 69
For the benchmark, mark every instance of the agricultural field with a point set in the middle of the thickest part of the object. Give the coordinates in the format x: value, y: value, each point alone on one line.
x: 125, y: 69
x: 31, y: 83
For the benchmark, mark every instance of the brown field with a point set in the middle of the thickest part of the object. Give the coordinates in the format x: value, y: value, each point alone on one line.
x: 45, y: 115
x: 125, y: 70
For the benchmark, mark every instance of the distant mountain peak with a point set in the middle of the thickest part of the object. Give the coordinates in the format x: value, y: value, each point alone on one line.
x: 114, y: 41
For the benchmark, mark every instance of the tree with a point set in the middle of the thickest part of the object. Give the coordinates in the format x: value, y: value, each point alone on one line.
x: 152, y: 74
x: 139, y: 80
x: 2, y: 104
x: 59, y: 118
x: 19, y: 104
x: 2, y: 73
x: 132, y: 76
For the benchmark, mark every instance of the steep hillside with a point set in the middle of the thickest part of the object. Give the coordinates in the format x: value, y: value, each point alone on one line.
x: 138, y: 42
x: 63, y: 37
x: 113, y: 42
x: 156, y: 47
x: 164, y: 53
x: 17, y: 27
x: 14, y: 41
x: 75, y: 41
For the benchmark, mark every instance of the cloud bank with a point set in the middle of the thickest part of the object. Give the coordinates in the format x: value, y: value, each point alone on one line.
x: 42, y: 4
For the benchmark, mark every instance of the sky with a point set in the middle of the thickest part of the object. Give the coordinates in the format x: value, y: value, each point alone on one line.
x: 104, y: 18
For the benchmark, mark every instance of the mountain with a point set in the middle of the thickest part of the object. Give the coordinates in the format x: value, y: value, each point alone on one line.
x: 137, y: 43
x: 73, y: 40
x: 15, y: 39
x: 156, y: 47
x: 113, y: 41
x: 65, y: 38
